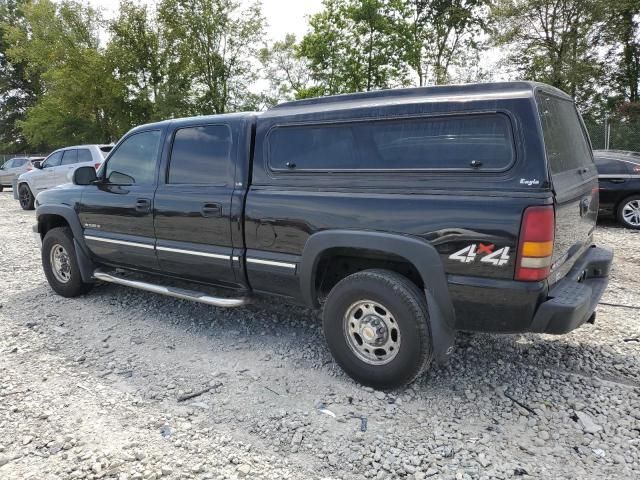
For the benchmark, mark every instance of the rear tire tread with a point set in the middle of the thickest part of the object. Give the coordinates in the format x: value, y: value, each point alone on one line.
x: 413, y: 298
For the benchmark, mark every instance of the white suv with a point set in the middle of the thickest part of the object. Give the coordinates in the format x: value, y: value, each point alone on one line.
x: 57, y: 169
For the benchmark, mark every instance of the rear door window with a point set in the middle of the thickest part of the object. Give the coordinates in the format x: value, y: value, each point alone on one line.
x: 84, y: 155
x: 566, y: 142
x: 70, y: 157
x: 200, y: 156
x: 456, y: 142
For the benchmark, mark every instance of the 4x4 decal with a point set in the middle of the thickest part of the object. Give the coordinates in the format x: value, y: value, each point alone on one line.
x: 494, y: 257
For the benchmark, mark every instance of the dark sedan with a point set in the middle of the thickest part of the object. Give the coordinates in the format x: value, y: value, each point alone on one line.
x: 619, y: 174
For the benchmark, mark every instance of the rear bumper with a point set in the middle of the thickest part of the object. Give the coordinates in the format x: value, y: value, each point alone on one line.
x: 507, y: 306
x: 572, y: 301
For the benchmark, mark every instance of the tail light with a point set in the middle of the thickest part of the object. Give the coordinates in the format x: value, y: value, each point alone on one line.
x: 535, y: 246
x: 97, y: 166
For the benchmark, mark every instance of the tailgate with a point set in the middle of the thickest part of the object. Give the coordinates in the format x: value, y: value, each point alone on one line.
x: 574, y: 178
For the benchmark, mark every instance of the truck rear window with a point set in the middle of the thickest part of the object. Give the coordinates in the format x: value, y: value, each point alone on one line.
x: 565, y: 140
x: 459, y: 142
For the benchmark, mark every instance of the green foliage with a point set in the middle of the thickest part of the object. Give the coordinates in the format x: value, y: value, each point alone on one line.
x: 440, y: 34
x: 555, y: 42
x: 67, y: 76
x: 137, y: 59
x: 61, y: 47
x: 622, y: 34
x: 20, y: 86
x: 288, y: 73
x: 355, y: 45
x: 213, y: 42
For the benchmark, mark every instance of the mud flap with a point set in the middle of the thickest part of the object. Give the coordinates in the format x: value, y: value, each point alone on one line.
x: 442, y: 335
x: 85, y: 265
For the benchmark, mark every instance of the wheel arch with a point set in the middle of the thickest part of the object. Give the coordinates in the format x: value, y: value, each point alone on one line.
x: 419, y: 253
x: 53, y: 216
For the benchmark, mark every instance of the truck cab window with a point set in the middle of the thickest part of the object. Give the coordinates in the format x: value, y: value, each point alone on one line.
x: 200, y: 156
x: 135, y: 159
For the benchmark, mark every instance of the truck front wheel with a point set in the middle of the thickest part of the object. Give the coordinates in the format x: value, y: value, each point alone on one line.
x: 376, y: 324
x: 61, y: 264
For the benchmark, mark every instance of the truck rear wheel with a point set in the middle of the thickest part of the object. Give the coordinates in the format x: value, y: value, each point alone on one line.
x: 61, y: 264
x: 376, y: 324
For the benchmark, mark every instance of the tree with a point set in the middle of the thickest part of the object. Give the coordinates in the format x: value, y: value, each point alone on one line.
x: 61, y: 44
x: 623, y: 33
x: 354, y: 45
x: 20, y: 85
x: 214, y: 44
x: 556, y: 42
x: 440, y: 34
x: 288, y: 73
x: 138, y: 60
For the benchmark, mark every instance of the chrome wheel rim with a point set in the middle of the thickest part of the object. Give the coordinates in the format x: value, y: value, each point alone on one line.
x: 60, y: 264
x: 631, y: 213
x: 23, y: 194
x: 372, y: 333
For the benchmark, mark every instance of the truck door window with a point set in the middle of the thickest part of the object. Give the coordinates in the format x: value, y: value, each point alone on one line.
x: 200, y: 156
x: 135, y: 159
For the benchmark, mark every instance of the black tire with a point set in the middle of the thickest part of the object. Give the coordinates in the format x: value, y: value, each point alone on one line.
x: 406, y: 306
x: 25, y: 197
x: 632, y: 201
x: 74, y: 286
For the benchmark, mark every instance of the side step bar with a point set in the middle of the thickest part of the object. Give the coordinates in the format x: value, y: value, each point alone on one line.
x: 171, y: 291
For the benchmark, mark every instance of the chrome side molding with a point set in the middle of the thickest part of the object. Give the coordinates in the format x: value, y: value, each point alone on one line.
x: 171, y: 291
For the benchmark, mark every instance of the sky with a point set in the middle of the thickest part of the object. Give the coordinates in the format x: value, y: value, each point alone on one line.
x: 283, y: 16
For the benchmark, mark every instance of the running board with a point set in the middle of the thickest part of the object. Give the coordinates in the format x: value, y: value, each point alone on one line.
x: 171, y: 291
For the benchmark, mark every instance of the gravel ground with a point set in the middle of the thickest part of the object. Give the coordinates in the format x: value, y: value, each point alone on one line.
x: 92, y: 388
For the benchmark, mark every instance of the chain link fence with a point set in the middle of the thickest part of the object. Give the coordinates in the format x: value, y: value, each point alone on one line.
x: 615, y: 135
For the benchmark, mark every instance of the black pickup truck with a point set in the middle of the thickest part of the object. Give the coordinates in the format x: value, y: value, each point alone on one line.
x: 403, y: 215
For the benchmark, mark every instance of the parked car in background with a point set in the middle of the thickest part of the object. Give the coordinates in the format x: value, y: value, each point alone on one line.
x: 57, y: 169
x: 619, y: 178
x: 13, y: 168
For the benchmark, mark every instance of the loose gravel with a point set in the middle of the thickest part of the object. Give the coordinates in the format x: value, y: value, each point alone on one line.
x: 131, y: 385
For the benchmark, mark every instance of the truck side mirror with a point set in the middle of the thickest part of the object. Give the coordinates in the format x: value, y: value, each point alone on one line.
x: 84, y: 176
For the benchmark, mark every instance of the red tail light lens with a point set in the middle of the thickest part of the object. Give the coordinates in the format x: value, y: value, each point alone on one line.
x: 97, y: 166
x: 535, y: 246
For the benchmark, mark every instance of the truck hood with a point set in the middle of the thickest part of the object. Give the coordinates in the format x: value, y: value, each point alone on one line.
x: 66, y: 194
